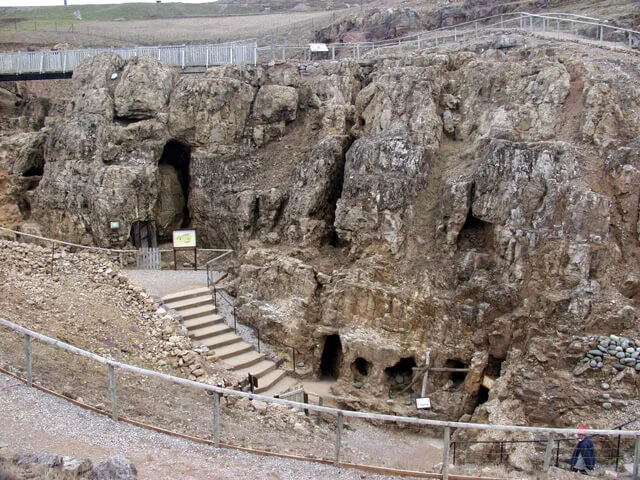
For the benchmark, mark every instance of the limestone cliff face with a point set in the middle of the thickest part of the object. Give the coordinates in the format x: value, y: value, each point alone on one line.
x: 480, y: 205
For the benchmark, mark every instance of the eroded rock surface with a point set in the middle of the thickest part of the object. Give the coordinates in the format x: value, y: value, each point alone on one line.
x: 481, y: 205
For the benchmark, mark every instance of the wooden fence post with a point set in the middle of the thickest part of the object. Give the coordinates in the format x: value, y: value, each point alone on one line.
x: 636, y: 459
x: 339, y: 438
x: 27, y: 352
x: 216, y: 419
x: 445, y: 453
x: 547, y: 454
x: 112, y: 389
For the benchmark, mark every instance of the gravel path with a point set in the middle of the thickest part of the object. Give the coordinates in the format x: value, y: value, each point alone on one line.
x: 37, y: 422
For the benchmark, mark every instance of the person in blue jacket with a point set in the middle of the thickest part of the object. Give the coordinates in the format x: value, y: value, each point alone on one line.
x: 584, y: 455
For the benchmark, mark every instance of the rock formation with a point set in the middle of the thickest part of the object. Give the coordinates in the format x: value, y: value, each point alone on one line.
x: 479, y: 204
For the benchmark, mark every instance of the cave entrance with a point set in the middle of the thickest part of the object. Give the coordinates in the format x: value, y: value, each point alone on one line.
x: 143, y: 235
x: 475, y: 234
x: 172, y: 208
x: 331, y: 360
x: 400, y: 375
x: 360, y: 368
x: 492, y: 371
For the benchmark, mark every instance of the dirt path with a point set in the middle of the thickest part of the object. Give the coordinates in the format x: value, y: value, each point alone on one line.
x: 36, y: 422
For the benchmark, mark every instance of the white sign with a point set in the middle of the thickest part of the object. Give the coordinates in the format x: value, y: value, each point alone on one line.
x: 184, y: 238
x: 318, y: 47
x: 424, y: 402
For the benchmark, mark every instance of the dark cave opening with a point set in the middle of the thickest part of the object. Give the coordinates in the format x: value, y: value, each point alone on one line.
x: 457, y: 378
x: 143, y: 235
x: 491, y: 372
x: 173, y: 202
x: 360, y: 368
x: 331, y: 360
x: 400, y: 375
x: 475, y: 234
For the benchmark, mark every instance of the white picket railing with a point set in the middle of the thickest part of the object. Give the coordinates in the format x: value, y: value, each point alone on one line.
x: 63, y: 61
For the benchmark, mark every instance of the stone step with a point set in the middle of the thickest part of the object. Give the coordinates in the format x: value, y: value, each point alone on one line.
x: 222, y: 340
x: 184, y: 294
x: 245, y: 360
x: 269, y: 380
x: 205, y: 321
x: 210, y: 331
x: 198, y: 312
x: 259, y: 369
x: 285, y: 384
x: 194, y: 302
x: 229, y: 350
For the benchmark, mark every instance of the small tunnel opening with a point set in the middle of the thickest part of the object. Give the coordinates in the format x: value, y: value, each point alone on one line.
x: 456, y: 378
x: 331, y: 360
x: 492, y: 371
x: 475, y: 234
x: 400, y: 375
x: 360, y: 368
x: 143, y: 235
x: 172, y: 209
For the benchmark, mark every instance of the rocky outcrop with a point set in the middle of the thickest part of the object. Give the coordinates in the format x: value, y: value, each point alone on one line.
x: 481, y: 205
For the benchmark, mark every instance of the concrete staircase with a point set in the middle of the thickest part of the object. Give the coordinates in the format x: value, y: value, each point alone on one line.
x: 207, y: 327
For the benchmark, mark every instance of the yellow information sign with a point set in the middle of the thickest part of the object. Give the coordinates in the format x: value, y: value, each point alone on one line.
x: 488, y: 382
x: 184, y: 238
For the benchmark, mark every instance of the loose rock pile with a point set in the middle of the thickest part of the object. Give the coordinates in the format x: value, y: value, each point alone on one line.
x: 128, y: 323
x: 623, y: 351
x: 48, y: 465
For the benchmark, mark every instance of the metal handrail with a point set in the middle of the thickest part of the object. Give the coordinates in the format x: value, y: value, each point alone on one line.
x: 247, y: 321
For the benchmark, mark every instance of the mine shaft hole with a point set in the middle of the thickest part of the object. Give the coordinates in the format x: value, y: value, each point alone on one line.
x: 331, y: 360
x: 492, y: 370
x: 475, y: 234
x: 400, y: 375
x: 360, y: 368
x: 172, y: 209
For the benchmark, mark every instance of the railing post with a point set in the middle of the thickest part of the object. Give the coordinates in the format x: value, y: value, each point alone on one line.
x: 112, y: 389
x: 636, y: 459
x: 27, y: 353
x: 547, y: 454
x: 293, y: 350
x: 339, y: 438
x: 445, y: 453
x: 319, y: 414
x: 216, y: 419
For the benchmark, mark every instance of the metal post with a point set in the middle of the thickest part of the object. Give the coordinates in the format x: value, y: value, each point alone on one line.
x: 53, y: 249
x: 445, y: 453
x: 339, y: 438
x: 27, y: 353
x: 112, y: 389
x: 216, y: 419
x: 319, y: 414
x: 636, y: 458
x: 547, y: 454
